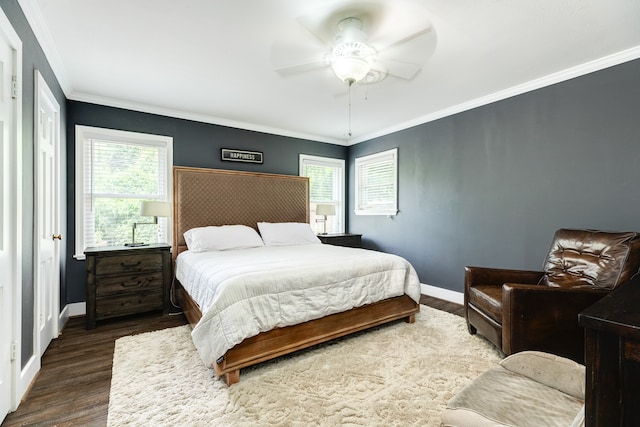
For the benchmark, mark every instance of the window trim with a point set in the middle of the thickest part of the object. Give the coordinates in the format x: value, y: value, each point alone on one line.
x: 330, y: 162
x: 366, y: 160
x: 82, y: 134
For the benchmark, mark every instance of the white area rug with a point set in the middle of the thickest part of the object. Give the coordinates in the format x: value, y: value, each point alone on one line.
x: 400, y: 374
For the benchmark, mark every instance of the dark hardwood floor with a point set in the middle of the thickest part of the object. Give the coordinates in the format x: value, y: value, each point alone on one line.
x: 72, y: 388
x: 443, y: 305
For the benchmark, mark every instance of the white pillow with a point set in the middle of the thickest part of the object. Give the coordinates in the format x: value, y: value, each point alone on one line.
x: 222, y: 238
x: 287, y: 233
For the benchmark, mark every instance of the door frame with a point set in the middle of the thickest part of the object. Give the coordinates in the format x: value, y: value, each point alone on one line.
x: 20, y: 379
x: 43, y: 94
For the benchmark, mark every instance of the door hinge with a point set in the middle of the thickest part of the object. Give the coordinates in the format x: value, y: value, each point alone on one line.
x: 14, y: 87
x: 13, y: 351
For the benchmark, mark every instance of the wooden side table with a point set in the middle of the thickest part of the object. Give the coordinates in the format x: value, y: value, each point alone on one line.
x: 612, y: 358
x: 125, y: 280
x: 342, y: 239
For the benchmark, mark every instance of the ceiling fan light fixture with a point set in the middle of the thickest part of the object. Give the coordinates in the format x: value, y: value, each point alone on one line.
x: 351, y: 57
x: 350, y: 69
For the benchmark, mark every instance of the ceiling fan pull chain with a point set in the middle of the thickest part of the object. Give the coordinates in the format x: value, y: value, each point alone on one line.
x: 350, y: 83
x: 366, y: 89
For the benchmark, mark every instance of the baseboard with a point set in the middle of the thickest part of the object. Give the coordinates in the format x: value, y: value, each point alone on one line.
x: 444, y: 294
x: 27, y: 378
x: 63, y: 318
x: 31, y: 369
x: 76, y: 309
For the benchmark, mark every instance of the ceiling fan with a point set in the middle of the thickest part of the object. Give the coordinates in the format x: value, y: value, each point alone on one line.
x: 361, y: 43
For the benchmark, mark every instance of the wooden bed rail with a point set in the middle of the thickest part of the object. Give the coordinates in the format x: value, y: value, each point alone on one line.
x: 280, y: 341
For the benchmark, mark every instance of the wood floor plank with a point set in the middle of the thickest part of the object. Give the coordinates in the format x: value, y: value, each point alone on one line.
x: 72, y: 388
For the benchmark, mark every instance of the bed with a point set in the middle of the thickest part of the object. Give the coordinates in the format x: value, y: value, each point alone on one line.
x: 209, y: 197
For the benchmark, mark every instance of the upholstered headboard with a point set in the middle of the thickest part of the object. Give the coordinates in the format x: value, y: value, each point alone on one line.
x: 204, y: 197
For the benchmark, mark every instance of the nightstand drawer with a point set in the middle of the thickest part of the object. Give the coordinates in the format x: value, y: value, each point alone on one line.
x: 123, y: 280
x: 130, y: 283
x: 106, y: 265
x: 129, y: 303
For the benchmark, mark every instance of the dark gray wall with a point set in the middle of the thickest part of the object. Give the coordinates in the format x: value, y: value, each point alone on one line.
x: 490, y: 186
x: 33, y: 58
x: 194, y: 144
x: 484, y: 187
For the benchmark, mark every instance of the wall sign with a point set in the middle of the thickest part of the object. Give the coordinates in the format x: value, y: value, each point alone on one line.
x: 242, y: 156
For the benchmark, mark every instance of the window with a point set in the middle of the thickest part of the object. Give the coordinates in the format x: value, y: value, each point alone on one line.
x: 326, y: 185
x: 115, y: 172
x: 377, y: 183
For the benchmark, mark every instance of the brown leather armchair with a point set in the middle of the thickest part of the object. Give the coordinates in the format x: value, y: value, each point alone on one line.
x: 521, y: 310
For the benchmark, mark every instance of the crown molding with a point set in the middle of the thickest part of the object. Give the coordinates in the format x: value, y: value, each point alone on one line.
x: 561, y: 76
x: 41, y: 31
x: 39, y: 27
x: 43, y: 36
x: 203, y: 118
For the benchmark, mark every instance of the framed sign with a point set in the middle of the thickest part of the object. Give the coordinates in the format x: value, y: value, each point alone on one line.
x: 241, y: 156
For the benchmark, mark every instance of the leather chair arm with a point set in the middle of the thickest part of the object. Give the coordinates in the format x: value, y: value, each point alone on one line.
x: 545, y: 318
x: 498, y: 276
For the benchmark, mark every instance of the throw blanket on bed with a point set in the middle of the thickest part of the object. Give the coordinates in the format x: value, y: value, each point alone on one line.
x: 244, y: 292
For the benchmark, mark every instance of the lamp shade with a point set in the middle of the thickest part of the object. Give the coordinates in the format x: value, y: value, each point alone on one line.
x: 155, y: 208
x: 325, y: 209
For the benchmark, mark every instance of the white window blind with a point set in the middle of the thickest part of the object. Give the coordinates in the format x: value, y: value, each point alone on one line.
x: 115, y: 172
x: 377, y: 183
x: 326, y: 186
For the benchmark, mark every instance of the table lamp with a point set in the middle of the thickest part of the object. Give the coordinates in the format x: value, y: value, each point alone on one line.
x: 324, y: 209
x: 149, y: 208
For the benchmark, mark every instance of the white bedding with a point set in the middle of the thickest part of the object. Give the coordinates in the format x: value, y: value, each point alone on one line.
x: 244, y: 292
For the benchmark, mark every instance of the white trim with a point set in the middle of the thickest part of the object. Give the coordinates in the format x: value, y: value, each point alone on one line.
x: 202, y: 118
x: 548, y: 80
x: 63, y: 318
x: 560, y: 76
x: 379, y: 157
x: 85, y: 132
x: 76, y: 309
x: 19, y: 379
x: 444, y: 294
x: 380, y: 212
x: 39, y: 27
x: 27, y: 376
x: 42, y: 95
x: 43, y: 35
x: 333, y: 163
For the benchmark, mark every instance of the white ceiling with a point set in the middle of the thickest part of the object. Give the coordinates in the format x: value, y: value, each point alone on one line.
x: 211, y: 60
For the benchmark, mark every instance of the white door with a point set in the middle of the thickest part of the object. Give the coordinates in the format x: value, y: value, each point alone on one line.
x: 7, y: 223
x: 47, y: 136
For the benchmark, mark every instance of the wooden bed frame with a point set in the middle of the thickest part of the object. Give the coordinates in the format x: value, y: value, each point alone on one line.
x: 204, y: 197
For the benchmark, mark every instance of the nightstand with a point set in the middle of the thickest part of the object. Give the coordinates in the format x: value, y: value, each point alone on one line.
x: 342, y: 239
x: 125, y: 280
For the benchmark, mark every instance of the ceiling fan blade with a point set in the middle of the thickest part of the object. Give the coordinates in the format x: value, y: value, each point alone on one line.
x: 416, y: 48
x: 316, y: 26
x: 289, y: 58
x: 412, y: 37
x: 301, y: 68
x: 403, y: 70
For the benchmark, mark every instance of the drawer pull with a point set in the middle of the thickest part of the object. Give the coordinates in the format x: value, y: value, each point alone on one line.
x: 131, y: 284
x: 125, y: 265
